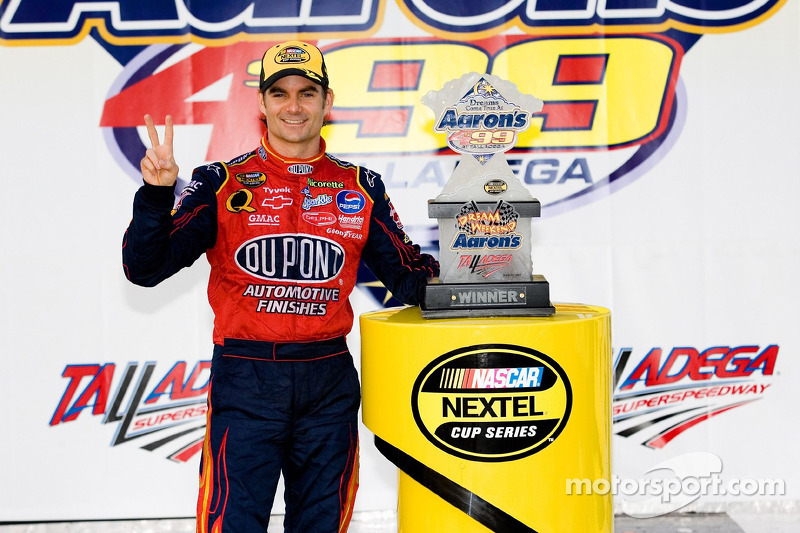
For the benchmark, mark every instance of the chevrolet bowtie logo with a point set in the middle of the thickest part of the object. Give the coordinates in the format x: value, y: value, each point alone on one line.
x: 277, y: 202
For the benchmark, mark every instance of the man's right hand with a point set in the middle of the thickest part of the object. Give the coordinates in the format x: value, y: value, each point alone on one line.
x: 158, y: 165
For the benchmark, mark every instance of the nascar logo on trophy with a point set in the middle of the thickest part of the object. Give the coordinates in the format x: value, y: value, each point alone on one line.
x: 484, y: 212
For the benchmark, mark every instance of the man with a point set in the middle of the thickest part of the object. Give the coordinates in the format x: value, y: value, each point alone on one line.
x: 284, y: 228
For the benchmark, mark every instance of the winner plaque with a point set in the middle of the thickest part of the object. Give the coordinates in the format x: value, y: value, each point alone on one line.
x: 484, y: 212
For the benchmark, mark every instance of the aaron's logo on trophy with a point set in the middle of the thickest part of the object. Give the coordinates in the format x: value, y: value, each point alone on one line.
x: 483, y: 210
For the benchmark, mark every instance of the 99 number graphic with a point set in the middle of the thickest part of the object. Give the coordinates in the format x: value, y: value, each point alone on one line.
x: 483, y: 137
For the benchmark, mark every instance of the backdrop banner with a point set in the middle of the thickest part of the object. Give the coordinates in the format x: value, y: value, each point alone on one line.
x: 665, y: 159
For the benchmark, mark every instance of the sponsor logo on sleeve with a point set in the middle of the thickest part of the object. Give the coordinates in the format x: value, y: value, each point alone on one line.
x: 350, y: 202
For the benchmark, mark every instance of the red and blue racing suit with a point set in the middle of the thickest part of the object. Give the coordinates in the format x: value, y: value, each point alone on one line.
x: 284, y: 239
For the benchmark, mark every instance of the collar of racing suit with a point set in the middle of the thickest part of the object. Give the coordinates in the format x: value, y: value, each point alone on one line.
x: 288, y: 166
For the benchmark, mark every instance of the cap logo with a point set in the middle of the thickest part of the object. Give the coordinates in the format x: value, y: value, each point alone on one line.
x: 292, y: 55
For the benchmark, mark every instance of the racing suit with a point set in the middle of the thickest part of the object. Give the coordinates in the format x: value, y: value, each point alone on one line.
x: 284, y: 239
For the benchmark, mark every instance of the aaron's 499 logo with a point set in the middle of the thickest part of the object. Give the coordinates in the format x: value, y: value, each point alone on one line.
x: 493, y: 402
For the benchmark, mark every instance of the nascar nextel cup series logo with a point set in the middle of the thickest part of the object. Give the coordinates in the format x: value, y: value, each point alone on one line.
x: 492, y: 402
x: 663, y: 393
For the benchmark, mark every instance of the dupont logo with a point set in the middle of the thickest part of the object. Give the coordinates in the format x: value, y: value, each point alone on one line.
x: 350, y: 202
x: 492, y: 402
x: 288, y: 257
x: 300, y: 169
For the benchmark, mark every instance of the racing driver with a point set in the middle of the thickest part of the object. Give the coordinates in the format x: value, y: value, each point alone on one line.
x: 284, y: 228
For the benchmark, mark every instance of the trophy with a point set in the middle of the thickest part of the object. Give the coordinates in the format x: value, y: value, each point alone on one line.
x: 484, y: 212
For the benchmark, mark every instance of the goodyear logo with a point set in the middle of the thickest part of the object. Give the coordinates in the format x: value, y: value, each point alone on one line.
x: 492, y: 402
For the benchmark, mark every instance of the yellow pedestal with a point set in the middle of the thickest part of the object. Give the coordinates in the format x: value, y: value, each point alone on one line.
x: 489, y: 419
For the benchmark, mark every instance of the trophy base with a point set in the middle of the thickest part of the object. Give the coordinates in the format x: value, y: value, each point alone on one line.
x: 463, y: 300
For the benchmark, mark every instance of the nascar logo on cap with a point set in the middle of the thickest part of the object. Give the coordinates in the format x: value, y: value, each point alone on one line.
x: 292, y: 54
x: 350, y: 201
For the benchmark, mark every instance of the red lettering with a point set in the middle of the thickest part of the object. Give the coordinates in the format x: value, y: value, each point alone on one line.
x: 647, y: 370
x: 174, y: 383
x: 702, y: 361
x: 739, y: 363
x: 664, y: 376
x: 98, y: 389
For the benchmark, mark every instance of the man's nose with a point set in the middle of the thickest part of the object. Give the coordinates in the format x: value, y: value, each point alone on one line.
x: 294, y: 104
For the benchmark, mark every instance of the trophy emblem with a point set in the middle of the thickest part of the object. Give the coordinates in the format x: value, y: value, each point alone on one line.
x: 484, y: 212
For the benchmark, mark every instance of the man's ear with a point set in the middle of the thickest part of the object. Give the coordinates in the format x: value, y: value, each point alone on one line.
x: 328, y: 104
x: 261, y: 106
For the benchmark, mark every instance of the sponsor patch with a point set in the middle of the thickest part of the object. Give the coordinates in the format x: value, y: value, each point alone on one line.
x: 278, y: 201
x: 326, y: 184
x: 264, y: 220
x: 300, y: 168
x: 318, y: 218
x: 240, y: 201
x: 290, y: 257
x: 351, y: 221
x: 350, y: 202
x: 251, y: 179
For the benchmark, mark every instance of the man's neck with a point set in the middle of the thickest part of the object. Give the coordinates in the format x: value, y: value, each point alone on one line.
x: 305, y: 150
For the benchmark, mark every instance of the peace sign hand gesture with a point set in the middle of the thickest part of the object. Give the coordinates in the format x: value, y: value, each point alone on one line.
x: 158, y: 165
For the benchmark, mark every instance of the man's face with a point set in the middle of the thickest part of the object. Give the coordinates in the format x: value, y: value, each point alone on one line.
x: 294, y: 108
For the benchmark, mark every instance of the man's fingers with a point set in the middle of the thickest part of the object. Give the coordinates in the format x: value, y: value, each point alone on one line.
x: 168, y: 131
x: 152, y: 157
x: 151, y: 131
